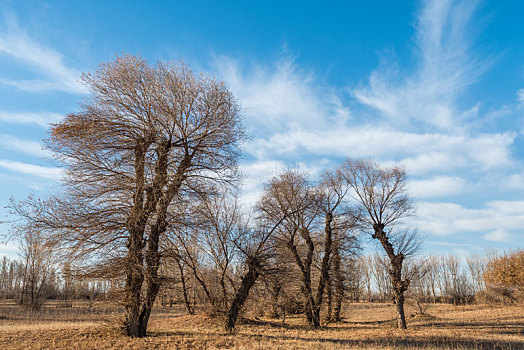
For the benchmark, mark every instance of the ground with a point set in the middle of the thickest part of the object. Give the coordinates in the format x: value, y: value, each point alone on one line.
x: 365, y: 326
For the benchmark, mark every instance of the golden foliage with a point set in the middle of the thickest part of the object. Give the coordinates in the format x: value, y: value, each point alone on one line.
x: 506, y: 271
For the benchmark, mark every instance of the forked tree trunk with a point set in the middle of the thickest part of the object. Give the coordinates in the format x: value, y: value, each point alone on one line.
x: 155, y: 199
x: 305, y: 269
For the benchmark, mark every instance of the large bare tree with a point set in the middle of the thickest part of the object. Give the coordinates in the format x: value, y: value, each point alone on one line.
x: 380, y: 193
x: 146, y: 136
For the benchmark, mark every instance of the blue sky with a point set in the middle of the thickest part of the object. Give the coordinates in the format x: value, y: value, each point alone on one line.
x: 436, y: 86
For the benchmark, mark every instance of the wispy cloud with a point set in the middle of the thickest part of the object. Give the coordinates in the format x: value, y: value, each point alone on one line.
x: 32, y: 169
x: 281, y: 96
x: 14, y: 143
x: 416, y: 120
x: 445, y: 68
x: 16, y: 43
x: 420, y: 153
x: 41, y: 119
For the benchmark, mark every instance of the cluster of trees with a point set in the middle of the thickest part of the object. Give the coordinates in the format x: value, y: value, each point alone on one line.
x: 505, y: 274
x: 447, y: 279
x: 150, y: 199
x: 30, y: 283
x: 439, y: 279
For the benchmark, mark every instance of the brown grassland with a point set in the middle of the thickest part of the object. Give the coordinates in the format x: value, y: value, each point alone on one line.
x: 365, y: 326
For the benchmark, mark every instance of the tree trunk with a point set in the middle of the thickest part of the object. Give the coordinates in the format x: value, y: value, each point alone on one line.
x: 305, y: 268
x: 401, y: 318
x: 189, y: 309
x: 329, y: 316
x: 157, y: 200
x: 274, y: 296
x: 248, y: 281
x: 134, y: 281
x: 339, y: 279
x: 324, y: 272
x: 395, y: 273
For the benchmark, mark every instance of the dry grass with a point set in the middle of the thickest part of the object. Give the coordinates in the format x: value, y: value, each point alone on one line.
x: 368, y: 326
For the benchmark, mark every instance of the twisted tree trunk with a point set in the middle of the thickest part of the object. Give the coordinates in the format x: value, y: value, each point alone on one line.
x: 395, y: 272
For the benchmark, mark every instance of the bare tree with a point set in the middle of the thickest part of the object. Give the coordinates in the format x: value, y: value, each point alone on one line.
x: 39, y: 262
x: 477, y: 266
x: 455, y: 284
x: 381, y: 196
x: 365, y: 267
x: 339, y: 222
x: 207, y: 243
x: 306, y: 211
x: 225, y: 253
x: 145, y: 136
x: 291, y: 196
x: 432, y: 276
x: 380, y: 272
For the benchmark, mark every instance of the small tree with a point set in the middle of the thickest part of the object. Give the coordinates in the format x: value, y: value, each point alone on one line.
x: 381, y: 196
x: 506, y: 273
x: 38, y: 267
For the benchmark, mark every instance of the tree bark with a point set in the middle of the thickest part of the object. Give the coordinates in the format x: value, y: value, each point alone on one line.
x: 187, y: 303
x: 401, y: 318
x: 248, y: 281
x: 324, y: 272
x: 274, y: 296
x: 395, y: 272
x: 329, y: 292
x: 305, y: 268
x: 339, y: 280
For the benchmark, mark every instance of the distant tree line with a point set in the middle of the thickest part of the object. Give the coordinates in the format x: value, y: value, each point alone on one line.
x: 444, y: 279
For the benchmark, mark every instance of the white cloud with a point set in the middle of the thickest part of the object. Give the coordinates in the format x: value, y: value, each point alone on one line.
x: 32, y: 169
x: 514, y: 181
x: 281, y: 97
x: 446, y: 219
x: 41, y: 119
x: 25, y: 146
x: 425, y: 129
x: 438, y: 186
x: 255, y: 175
x: 520, y: 96
x: 419, y: 153
x: 444, y: 69
x: 17, y: 44
x: 497, y: 236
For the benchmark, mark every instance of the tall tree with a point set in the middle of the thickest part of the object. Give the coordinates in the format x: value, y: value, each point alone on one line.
x: 146, y: 136
x: 381, y: 197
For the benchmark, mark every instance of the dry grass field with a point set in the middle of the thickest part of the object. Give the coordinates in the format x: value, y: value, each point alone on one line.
x: 366, y: 326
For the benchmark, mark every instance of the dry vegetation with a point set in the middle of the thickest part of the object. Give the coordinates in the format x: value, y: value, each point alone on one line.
x: 366, y: 325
